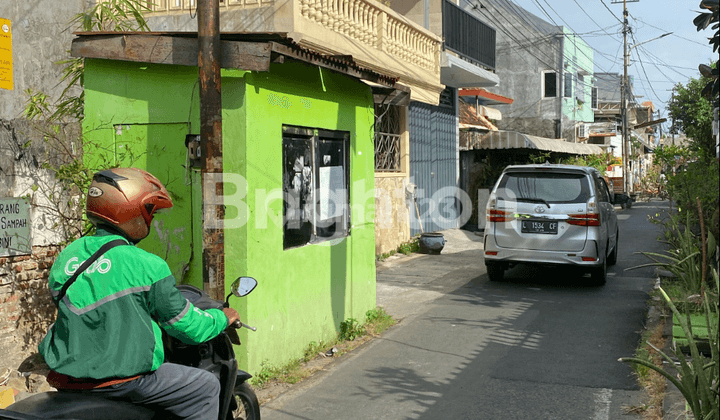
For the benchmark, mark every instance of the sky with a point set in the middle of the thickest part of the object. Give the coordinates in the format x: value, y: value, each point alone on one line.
x: 656, y: 66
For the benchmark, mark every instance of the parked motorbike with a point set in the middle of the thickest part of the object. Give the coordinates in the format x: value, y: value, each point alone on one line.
x: 237, y: 398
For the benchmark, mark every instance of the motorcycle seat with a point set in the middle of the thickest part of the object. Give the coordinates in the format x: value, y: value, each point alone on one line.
x: 79, y: 406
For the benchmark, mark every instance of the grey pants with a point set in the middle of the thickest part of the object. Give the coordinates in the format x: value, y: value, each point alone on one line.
x: 183, y: 391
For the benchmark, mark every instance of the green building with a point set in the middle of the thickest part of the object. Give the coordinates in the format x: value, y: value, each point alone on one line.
x: 297, y: 150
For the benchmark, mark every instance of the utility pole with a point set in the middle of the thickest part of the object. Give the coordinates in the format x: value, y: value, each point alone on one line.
x: 213, y: 243
x: 623, y: 102
x: 625, y: 96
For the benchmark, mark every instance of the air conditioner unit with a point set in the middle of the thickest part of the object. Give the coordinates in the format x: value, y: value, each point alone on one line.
x: 583, y: 131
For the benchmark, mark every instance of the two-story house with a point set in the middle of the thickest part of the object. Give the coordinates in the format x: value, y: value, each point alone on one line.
x: 467, y: 61
x: 546, y: 69
x: 313, y: 285
x: 606, y: 130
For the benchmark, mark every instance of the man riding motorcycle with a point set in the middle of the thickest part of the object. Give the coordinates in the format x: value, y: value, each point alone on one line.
x: 107, y: 338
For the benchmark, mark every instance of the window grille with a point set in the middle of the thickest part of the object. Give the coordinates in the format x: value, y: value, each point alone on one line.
x: 387, y: 138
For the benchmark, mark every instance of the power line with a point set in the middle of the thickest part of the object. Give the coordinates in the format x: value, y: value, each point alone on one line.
x: 574, y: 33
x: 611, y: 12
x: 588, y: 15
x: 675, y: 35
x: 521, y: 15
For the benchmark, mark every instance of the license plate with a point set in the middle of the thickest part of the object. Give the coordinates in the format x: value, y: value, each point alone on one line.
x: 548, y: 227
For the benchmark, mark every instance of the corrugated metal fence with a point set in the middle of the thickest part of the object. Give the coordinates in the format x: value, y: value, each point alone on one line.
x: 433, y: 163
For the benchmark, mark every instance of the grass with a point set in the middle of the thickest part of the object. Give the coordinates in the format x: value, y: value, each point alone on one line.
x: 405, y: 248
x: 652, y: 382
x: 349, y: 337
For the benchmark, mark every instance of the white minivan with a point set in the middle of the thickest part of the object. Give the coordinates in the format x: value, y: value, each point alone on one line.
x: 551, y: 215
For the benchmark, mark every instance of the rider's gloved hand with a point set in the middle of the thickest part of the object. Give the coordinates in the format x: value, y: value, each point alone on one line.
x: 231, y: 315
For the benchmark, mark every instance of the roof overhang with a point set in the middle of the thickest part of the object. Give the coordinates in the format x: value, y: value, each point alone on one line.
x: 488, y: 98
x: 514, y: 140
x: 457, y: 73
x: 650, y: 123
x: 398, y: 95
x: 246, y: 51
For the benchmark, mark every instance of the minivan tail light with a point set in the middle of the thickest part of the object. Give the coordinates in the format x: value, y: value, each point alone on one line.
x: 590, y: 219
x: 498, y: 216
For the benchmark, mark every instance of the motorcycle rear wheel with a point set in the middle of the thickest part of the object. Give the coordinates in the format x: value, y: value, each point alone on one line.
x: 248, y: 407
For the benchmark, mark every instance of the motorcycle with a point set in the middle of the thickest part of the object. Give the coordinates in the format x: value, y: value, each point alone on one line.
x: 237, y: 397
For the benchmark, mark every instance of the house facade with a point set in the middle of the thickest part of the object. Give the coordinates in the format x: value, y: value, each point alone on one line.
x: 298, y: 174
x: 606, y: 130
x: 467, y: 60
x: 376, y: 37
x: 547, y: 70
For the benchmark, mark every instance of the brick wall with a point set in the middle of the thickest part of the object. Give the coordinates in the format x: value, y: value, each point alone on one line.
x: 26, y: 310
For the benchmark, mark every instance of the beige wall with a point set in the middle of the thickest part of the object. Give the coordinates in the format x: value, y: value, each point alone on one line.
x: 392, y: 220
x: 414, y: 10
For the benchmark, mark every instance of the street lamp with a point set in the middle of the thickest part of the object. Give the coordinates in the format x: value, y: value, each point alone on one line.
x: 624, y: 94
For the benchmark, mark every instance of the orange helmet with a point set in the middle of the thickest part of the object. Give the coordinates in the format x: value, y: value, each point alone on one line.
x: 126, y: 199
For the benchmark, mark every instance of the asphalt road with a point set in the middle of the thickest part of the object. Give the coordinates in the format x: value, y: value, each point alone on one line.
x: 540, y: 345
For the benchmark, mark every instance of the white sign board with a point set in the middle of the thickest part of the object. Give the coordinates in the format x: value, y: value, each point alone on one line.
x: 332, y: 200
x: 15, y: 227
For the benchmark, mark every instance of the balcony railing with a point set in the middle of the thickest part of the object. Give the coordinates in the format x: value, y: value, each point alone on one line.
x: 468, y: 36
x: 363, y: 21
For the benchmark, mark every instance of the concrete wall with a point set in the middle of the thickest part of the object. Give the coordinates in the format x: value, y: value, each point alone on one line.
x: 40, y: 38
x: 521, y: 74
x: 526, y: 47
x: 305, y: 292
x: 415, y: 11
x: 392, y: 218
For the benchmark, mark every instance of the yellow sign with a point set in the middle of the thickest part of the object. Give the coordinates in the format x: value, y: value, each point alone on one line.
x: 6, y: 61
x: 7, y: 396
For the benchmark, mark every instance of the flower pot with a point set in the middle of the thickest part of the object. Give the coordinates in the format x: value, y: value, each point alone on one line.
x: 431, y: 242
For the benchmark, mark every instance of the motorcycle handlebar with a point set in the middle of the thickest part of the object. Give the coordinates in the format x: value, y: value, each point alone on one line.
x: 238, y: 324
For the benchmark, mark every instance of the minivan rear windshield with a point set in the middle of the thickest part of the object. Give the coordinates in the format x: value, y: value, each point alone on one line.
x: 551, y: 187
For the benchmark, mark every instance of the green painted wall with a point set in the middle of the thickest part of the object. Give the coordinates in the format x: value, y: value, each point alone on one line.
x: 578, y: 57
x: 304, y: 293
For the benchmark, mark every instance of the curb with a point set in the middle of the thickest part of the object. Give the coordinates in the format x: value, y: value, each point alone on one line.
x: 674, y: 406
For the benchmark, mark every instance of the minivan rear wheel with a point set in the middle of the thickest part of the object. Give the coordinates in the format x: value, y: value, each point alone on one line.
x: 495, y: 271
x: 598, y: 275
x: 612, y: 258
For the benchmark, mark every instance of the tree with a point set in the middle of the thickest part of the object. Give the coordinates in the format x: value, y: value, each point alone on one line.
x: 702, y: 21
x: 692, y: 114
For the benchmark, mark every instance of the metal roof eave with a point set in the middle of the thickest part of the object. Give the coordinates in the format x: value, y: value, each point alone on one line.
x: 515, y: 140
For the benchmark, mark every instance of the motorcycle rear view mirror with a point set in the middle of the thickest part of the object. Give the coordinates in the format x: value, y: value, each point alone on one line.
x: 243, y: 286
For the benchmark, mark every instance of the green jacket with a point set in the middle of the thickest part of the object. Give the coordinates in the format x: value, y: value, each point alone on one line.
x: 108, y: 324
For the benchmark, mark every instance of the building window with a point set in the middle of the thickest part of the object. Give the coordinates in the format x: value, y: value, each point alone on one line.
x: 387, y: 138
x: 594, y: 99
x: 549, y: 80
x: 568, y: 82
x: 316, y: 187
